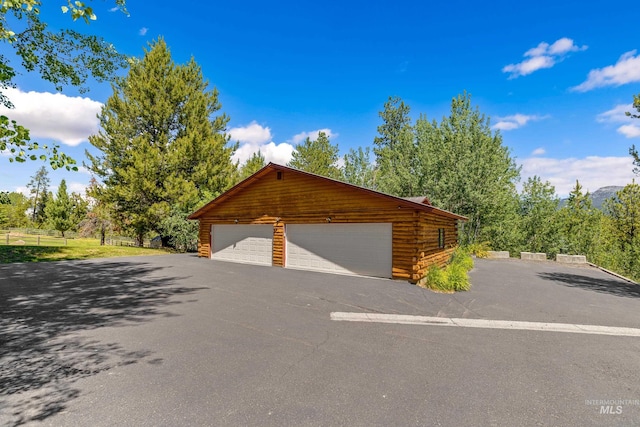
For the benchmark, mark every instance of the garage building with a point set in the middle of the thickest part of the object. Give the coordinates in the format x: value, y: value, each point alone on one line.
x: 285, y: 217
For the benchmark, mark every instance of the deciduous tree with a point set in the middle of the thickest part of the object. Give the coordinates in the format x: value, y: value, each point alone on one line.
x: 538, y: 207
x: 62, y: 57
x: 358, y: 169
x: 183, y: 233
x: 98, y: 217
x: 14, y: 208
x: 465, y: 168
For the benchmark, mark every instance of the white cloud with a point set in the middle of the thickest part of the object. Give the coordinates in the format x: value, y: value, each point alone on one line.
x: 143, y: 31
x: 77, y: 187
x: 616, y: 115
x: 516, y: 121
x: 564, y: 45
x: 630, y: 128
x: 70, y: 120
x: 593, y: 172
x: 82, y: 169
x: 538, y: 151
x: 254, y: 137
x: 24, y: 191
x: 626, y: 70
x: 114, y: 9
x: 539, y: 50
x: 313, y: 135
x: 630, y: 131
x: 528, y: 66
x: 72, y: 187
x: 272, y: 152
x: 542, y: 56
x: 253, y: 133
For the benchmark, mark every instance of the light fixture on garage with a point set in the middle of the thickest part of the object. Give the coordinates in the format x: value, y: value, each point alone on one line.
x: 328, y: 219
x: 278, y: 219
x: 236, y: 220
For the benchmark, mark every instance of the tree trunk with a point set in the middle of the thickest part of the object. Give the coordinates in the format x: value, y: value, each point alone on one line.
x: 140, y: 240
x: 166, y: 242
x: 102, y: 235
x: 35, y: 203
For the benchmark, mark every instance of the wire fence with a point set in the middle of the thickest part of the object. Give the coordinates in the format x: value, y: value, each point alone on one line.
x: 19, y: 239
x: 38, y: 237
x: 40, y: 232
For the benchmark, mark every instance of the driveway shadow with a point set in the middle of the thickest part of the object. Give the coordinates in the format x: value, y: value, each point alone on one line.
x: 44, y: 305
x: 608, y: 286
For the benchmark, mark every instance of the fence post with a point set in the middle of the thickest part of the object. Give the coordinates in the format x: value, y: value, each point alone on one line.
x: 7, y: 238
x: 38, y: 240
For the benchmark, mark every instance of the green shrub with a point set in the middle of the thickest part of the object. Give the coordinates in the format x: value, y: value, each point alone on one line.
x: 457, y: 277
x: 453, y: 277
x: 436, y: 279
x: 462, y: 257
x: 480, y: 250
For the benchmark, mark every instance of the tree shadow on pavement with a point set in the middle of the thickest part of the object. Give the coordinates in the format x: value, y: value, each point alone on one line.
x: 608, y: 286
x: 44, y: 306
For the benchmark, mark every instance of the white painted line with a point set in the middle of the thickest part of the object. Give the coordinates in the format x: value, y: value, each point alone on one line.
x: 404, y: 319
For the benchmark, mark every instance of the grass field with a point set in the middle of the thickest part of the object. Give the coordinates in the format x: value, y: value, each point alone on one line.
x: 25, y: 248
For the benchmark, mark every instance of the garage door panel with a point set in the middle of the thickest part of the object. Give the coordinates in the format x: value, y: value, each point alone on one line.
x: 244, y: 243
x: 363, y: 249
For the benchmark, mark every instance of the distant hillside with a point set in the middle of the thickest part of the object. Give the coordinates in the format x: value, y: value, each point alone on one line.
x: 600, y: 195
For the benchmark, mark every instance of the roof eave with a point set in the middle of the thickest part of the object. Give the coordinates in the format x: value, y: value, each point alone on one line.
x: 273, y: 166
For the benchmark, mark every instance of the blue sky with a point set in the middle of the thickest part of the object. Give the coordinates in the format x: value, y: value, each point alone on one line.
x: 555, y: 77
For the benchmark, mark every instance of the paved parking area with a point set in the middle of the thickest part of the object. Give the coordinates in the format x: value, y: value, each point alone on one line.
x: 180, y: 340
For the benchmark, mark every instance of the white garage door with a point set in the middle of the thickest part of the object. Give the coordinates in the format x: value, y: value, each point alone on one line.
x: 363, y: 249
x: 251, y: 244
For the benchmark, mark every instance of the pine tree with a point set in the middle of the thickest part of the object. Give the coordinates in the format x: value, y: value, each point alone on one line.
x: 41, y: 208
x: 633, y: 151
x: 60, y: 210
x: 39, y: 187
x: 395, y: 150
x: 161, y: 143
x: 317, y: 156
x: 253, y: 165
x: 578, y: 221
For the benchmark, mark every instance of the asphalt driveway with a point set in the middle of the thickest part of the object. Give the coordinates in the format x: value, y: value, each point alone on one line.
x: 177, y: 340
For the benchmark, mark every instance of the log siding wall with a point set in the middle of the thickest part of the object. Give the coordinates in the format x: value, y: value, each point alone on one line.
x: 301, y: 199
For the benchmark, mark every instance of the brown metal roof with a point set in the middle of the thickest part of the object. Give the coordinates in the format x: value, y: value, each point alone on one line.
x: 408, y: 202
